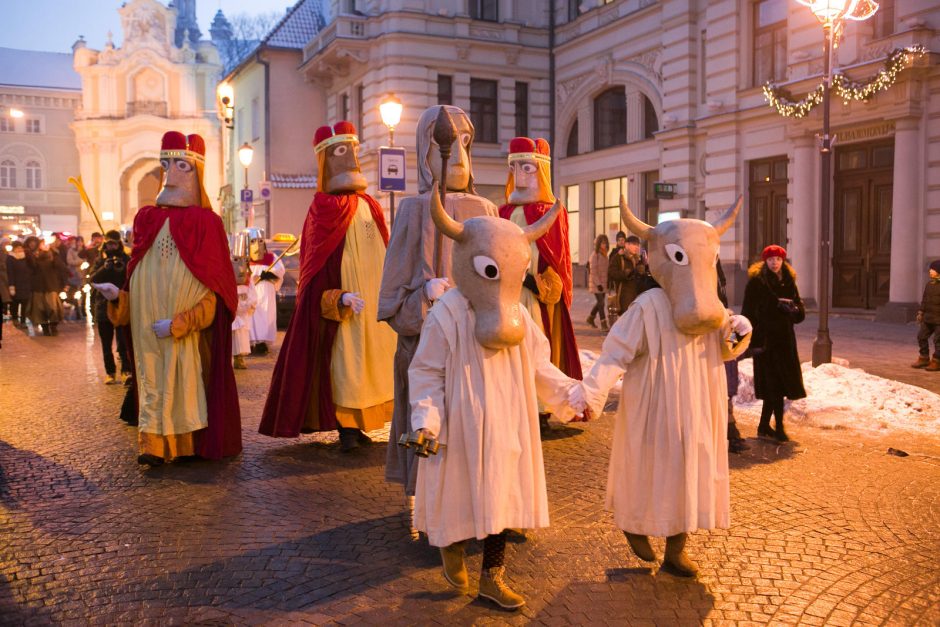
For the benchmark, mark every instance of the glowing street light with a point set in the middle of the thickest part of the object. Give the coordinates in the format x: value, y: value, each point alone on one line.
x: 16, y: 113
x: 390, y: 109
x: 832, y: 15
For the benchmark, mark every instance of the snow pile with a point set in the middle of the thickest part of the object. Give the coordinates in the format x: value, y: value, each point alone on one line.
x: 839, y: 397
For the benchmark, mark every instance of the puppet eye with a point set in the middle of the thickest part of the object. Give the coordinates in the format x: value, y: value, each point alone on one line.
x: 183, y: 166
x: 528, y: 168
x: 165, y: 164
x: 486, y: 267
x: 677, y: 254
x: 465, y: 139
x: 340, y: 150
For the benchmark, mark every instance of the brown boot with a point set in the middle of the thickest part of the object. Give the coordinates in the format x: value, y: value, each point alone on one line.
x: 675, y: 561
x: 239, y: 363
x: 640, y: 545
x: 494, y: 588
x: 921, y: 362
x: 455, y: 571
x: 933, y: 366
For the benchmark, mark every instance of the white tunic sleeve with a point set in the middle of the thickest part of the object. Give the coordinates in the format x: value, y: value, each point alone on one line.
x: 426, y: 378
x: 626, y: 340
x: 551, y: 384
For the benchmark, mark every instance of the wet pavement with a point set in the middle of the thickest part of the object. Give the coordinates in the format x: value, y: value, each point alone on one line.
x: 830, y: 530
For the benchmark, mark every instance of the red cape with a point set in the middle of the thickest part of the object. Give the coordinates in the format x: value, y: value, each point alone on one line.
x: 555, y: 253
x: 304, y: 359
x: 203, y: 247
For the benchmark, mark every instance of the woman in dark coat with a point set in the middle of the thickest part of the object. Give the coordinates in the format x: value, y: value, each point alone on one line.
x: 773, y: 305
x: 20, y: 282
x: 48, y: 279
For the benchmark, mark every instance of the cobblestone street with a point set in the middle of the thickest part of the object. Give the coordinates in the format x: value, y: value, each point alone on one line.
x: 830, y: 530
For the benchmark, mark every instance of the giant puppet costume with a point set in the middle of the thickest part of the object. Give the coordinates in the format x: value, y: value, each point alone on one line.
x: 548, y: 281
x: 334, y: 370
x: 669, y: 459
x: 480, y: 370
x: 418, y: 266
x: 179, y: 300
x: 266, y: 281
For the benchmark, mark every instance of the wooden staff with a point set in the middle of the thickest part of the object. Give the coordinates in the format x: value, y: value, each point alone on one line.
x: 279, y: 257
x: 77, y: 182
x: 444, y: 133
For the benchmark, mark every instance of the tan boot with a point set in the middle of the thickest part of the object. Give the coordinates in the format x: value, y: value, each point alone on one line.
x: 455, y: 571
x: 641, y: 546
x: 933, y: 366
x: 675, y: 561
x: 240, y: 363
x: 922, y: 362
x: 494, y: 588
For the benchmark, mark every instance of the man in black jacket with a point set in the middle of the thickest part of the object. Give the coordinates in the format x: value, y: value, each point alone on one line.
x: 929, y: 318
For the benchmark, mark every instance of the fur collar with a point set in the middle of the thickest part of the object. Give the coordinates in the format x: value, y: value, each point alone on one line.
x: 757, y: 266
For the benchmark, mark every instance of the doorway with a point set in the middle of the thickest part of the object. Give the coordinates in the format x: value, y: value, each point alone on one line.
x: 767, y: 223
x: 861, y: 242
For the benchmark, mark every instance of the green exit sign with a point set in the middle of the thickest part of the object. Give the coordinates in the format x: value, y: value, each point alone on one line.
x: 664, y: 191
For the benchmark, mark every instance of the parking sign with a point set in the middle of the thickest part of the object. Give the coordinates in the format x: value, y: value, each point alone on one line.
x: 248, y: 195
x: 391, y: 169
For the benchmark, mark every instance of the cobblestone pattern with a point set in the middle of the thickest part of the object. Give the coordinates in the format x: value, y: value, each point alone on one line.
x: 831, y: 530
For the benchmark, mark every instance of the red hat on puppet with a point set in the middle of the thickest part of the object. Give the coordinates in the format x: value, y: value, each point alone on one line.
x: 528, y: 148
x: 326, y: 136
x: 175, y: 145
x: 773, y: 251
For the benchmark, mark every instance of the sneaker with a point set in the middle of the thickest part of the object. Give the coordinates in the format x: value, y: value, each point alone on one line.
x: 493, y: 587
x: 110, y: 380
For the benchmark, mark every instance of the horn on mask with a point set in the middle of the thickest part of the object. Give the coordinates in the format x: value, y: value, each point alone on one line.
x: 444, y: 223
x: 540, y: 227
x: 727, y: 219
x: 633, y: 223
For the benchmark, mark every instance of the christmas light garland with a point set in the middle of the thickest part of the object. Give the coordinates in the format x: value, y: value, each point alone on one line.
x: 843, y: 86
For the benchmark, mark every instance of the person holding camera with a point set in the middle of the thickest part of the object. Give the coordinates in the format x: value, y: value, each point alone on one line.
x: 111, y: 267
x: 773, y: 305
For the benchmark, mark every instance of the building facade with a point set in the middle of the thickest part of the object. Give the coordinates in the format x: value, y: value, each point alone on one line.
x: 39, y: 92
x: 670, y: 91
x: 276, y: 111
x: 131, y: 96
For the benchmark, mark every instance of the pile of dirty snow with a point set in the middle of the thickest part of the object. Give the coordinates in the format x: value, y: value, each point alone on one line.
x: 850, y: 398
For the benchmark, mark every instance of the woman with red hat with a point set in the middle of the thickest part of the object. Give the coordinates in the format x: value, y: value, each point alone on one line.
x: 773, y: 305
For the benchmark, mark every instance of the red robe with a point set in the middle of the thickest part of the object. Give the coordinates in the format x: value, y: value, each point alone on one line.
x: 555, y: 253
x: 203, y: 247
x: 308, y: 345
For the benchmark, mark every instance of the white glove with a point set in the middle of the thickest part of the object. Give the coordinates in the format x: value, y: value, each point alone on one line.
x: 352, y: 300
x: 161, y: 328
x: 12, y: 290
x: 435, y: 288
x: 740, y: 325
x: 109, y: 290
x: 577, y: 399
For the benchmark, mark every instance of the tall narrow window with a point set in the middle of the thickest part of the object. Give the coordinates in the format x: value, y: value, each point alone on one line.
x: 7, y: 174
x: 650, y: 121
x: 360, y: 109
x: 610, y: 118
x: 770, y: 41
x: 572, y: 148
x: 573, y: 202
x: 607, y: 206
x: 344, y: 107
x: 485, y: 10
x: 574, y: 9
x: 883, y: 20
x: 33, y: 175
x: 702, y: 68
x: 484, y: 109
x: 445, y: 89
x: 255, y: 119
x: 522, y: 109
x: 6, y: 125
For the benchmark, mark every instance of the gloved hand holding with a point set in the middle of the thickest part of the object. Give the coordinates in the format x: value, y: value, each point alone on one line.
x: 530, y: 284
x: 109, y: 290
x: 352, y: 300
x: 740, y: 325
x: 435, y: 288
x: 267, y: 276
x: 161, y: 328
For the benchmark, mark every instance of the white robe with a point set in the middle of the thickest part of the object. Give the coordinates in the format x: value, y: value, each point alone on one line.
x: 264, y: 321
x: 669, y: 456
x: 241, y: 341
x: 483, y: 404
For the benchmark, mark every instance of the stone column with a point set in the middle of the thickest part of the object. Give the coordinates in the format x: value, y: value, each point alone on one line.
x: 907, y: 229
x: 804, y: 215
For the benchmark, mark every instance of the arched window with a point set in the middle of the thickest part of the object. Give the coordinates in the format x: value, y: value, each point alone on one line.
x: 650, y: 121
x: 7, y: 174
x: 33, y: 175
x: 610, y: 118
x: 572, y: 148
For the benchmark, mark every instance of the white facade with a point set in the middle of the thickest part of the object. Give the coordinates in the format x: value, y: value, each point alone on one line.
x: 130, y: 97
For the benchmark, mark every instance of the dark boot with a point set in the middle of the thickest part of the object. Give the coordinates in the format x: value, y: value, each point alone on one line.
x: 590, y: 321
x: 54, y: 330
x: 348, y: 439
x: 933, y: 366
x: 46, y: 329
x: 921, y: 362
x: 150, y: 460
x: 779, y: 433
x: 675, y: 561
x: 764, y: 430
x: 640, y: 545
x: 736, y: 443
x: 261, y: 348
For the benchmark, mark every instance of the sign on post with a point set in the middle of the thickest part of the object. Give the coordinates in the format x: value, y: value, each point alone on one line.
x: 264, y: 190
x: 248, y: 195
x: 391, y: 169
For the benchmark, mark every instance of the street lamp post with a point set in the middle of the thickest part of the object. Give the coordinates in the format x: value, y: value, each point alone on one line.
x: 832, y: 15
x: 390, y: 109
x: 245, y: 155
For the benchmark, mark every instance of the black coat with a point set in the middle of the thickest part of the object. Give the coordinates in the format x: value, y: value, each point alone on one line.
x: 49, y: 272
x: 19, y: 276
x: 777, y: 371
x: 930, y: 303
x: 109, y: 269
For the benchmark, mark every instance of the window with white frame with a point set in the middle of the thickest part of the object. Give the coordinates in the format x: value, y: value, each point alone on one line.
x: 487, y: 10
x: 6, y: 125
x: 573, y: 202
x: 607, y: 206
x: 770, y: 41
x: 7, y: 174
x: 33, y: 175
x: 33, y: 125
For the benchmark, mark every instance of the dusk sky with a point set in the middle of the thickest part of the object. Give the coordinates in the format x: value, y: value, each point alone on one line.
x: 54, y: 25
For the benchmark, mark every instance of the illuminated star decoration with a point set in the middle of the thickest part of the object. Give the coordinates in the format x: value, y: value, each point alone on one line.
x: 843, y: 86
